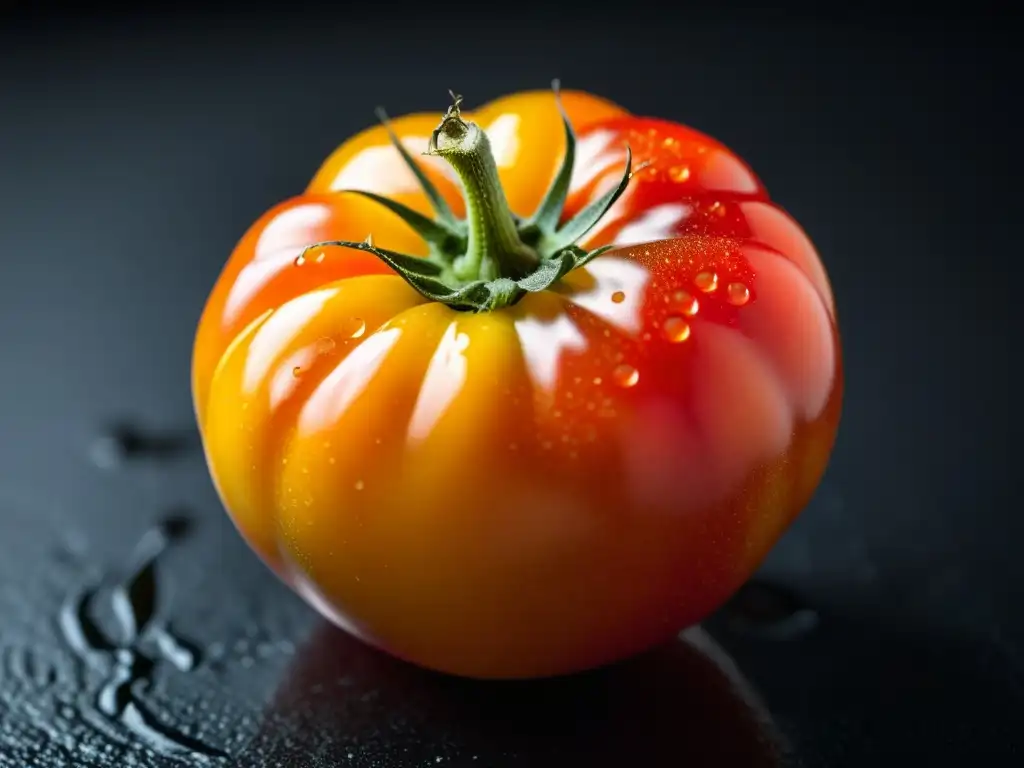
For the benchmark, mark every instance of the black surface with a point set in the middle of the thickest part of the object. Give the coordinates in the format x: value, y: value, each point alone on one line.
x: 137, y: 630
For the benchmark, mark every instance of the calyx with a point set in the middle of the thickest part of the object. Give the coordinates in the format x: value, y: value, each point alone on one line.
x: 492, y: 258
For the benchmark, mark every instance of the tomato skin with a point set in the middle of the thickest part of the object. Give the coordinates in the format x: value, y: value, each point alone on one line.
x: 544, y: 488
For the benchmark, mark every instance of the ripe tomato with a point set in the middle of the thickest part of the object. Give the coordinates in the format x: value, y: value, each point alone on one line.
x: 501, y: 455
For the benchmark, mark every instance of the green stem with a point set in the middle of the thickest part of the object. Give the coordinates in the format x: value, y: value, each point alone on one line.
x: 494, y: 248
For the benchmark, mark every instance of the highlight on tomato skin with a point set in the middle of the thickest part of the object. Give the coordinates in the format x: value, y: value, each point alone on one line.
x: 472, y: 436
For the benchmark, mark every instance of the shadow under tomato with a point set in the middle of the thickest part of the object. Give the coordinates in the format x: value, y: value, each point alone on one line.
x: 684, y: 704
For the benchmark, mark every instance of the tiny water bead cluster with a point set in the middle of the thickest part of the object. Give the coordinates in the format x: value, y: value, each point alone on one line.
x: 708, y: 293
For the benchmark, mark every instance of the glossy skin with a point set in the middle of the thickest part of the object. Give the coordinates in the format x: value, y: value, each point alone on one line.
x: 548, y: 487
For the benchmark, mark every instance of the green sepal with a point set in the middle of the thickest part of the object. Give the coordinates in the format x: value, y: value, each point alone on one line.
x: 426, y: 277
x: 444, y: 238
x: 586, y: 258
x: 549, y: 271
x: 548, y: 213
x: 585, y: 220
x: 437, y: 201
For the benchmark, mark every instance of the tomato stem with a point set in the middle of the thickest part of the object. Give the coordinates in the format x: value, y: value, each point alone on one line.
x: 493, y: 249
x: 492, y: 258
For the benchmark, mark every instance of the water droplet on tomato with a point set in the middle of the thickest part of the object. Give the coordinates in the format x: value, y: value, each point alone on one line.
x: 324, y: 345
x: 354, y: 327
x: 679, y: 173
x: 618, y: 297
x: 359, y: 485
x: 706, y: 281
x: 300, y: 260
x: 625, y: 375
x: 597, y: 380
x: 369, y: 240
x: 297, y: 371
x: 685, y: 302
x: 738, y: 294
x: 676, y: 329
x: 321, y: 257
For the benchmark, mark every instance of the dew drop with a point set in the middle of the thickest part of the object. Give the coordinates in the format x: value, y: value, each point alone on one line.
x: 300, y: 260
x: 597, y: 380
x: 321, y: 257
x: 685, y: 302
x: 626, y: 375
x: 706, y: 281
x: 297, y: 371
x: 618, y: 297
x: 324, y: 345
x: 359, y: 485
x: 354, y: 327
x: 676, y: 329
x: 738, y: 294
x: 369, y: 240
x: 679, y: 172
x: 668, y: 142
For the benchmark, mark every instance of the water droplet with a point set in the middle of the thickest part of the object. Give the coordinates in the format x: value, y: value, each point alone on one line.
x: 297, y: 371
x: 369, y: 240
x: 668, y: 142
x: 354, y: 327
x: 676, y: 329
x: 300, y: 260
x: 626, y: 375
x: 597, y: 380
x: 679, y: 172
x: 360, y: 485
x: 324, y: 345
x: 706, y: 281
x: 618, y: 297
x: 321, y: 257
x: 717, y: 208
x: 128, y: 442
x: 770, y: 610
x: 685, y: 302
x: 738, y: 294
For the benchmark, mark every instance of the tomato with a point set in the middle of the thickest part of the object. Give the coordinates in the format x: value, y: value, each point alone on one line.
x: 523, y: 428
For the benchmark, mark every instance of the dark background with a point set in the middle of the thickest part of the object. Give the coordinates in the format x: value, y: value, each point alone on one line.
x: 135, y: 149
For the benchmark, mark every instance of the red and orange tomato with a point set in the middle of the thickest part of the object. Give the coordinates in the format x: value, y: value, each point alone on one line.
x: 544, y: 485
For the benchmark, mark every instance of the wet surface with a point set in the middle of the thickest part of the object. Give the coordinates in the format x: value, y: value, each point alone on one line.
x: 136, y: 628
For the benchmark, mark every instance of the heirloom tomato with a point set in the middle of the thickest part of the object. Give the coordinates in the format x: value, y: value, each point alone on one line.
x: 522, y: 392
